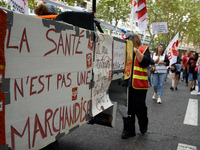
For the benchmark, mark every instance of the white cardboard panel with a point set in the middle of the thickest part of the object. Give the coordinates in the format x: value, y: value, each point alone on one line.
x: 36, y: 40
x: 49, y: 94
x: 119, y: 52
x: 102, y: 68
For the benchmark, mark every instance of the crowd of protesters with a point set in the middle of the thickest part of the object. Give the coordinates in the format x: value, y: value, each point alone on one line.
x: 186, y: 69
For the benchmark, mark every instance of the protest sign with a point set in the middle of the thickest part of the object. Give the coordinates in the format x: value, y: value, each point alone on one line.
x: 159, y: 27
x: 102, y: 74
x: 48, y: 70
x: 20, y: 6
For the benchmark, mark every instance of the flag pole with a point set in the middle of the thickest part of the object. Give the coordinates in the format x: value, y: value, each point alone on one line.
x: 94, y: 7
x: 131, y: 22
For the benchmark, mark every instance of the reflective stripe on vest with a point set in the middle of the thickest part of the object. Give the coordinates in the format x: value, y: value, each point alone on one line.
x: 140, y: 76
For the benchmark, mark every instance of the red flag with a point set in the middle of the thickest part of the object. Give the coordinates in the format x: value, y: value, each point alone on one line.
x: 140, y: 13
x: 172, y: 49
x: 123, y: 36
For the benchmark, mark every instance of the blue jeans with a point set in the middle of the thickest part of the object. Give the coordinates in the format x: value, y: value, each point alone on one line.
x: 185, y: 75
x: 159, y: 78
x: 191, y: 78
x: 198, y: 82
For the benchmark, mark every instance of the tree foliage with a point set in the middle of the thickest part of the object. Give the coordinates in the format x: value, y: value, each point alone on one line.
x: 112, y: 11
x: 181, y: 15
x: 32, y: 4
x: 72, y: 2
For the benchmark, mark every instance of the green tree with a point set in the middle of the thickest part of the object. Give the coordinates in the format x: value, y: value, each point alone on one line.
x: 112, y: 11
x: 3, y: 3
x: 181, y: 15
x: 32, y: 4
x: 72, y: 2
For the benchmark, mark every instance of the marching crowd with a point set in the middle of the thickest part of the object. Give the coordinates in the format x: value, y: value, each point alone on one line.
x: 151, y: 69
x: 187, y: 67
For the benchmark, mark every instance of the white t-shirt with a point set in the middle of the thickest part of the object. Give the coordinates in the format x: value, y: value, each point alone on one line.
x: 161, y: 68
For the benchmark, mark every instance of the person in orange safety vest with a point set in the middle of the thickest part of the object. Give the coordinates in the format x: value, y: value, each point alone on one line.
x: 137, y: 91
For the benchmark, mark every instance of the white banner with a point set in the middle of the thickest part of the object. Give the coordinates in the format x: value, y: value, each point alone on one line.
x: 159, y: 27
x: 172, y: 50
x: 20, y: 6
x: 49, y: 69
x: 102, y: 69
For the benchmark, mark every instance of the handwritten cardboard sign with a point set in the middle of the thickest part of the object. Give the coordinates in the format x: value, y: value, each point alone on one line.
x: 102, y: 74
x: 49, y: 72
x: 159, y: 27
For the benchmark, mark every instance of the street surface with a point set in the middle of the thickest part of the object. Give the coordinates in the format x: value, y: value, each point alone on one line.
x: 173, y: 125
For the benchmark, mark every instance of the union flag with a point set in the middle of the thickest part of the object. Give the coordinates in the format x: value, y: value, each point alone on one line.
x: 139, y: 12
x: 172, y: 49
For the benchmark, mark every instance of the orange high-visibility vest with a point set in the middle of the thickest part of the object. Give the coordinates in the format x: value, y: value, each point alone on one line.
x: 140, y: 77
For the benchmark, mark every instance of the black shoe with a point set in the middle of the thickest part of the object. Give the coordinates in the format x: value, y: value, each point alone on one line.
x: 172, y: 88
x: 144, y: 131
x: 127, y: 135
x: 176, y: 88
x: 129, y: 128
x: 191, y: 89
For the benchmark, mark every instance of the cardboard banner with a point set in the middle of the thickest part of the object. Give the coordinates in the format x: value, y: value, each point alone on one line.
x: 119, y: 52
x: 159, y: 27
x: 102, y: 69
x: 48, y: 73
x: 129, y: 59
x: 20, y: 6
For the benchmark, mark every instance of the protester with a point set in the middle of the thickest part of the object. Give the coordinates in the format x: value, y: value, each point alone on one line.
x: 182, y: 55
x: 149, y: 74
x: 176, y: 70
x: 167, y: 71
x: 185, y: 63
x: 137, y: 91
x: 45, y: 9
x: 159, y: 75
x: 190, y: 70
x: 198, y: 74
x: 149, y: 67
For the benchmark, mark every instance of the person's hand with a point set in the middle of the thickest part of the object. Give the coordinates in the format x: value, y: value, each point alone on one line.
x: 160, y: 62
x: 175, y: 64
x: 157, y: 60
x: 134, y: 49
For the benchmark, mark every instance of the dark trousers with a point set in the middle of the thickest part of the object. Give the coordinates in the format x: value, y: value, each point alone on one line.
x: 185, y: 75
x: 137, y: 107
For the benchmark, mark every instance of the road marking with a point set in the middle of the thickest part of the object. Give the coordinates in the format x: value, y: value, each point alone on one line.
x: 186, y: 147
x: 191, y: 116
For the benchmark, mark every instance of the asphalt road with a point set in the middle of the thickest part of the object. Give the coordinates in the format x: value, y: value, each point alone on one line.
x: 166, y: 130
